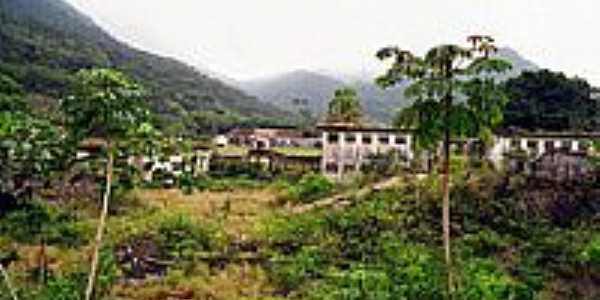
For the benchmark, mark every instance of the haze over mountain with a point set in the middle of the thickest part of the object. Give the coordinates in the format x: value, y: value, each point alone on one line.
x: 317, y: 87
x: 43, y: 42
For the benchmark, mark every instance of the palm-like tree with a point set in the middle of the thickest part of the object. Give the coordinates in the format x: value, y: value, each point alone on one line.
x: 445, y: 72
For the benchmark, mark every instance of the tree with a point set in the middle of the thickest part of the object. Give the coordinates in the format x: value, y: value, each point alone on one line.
x: 30, y: 146
x: 104, y: 104
x: 344, y: 107
x: 447, y: 73
x: 546, y: 100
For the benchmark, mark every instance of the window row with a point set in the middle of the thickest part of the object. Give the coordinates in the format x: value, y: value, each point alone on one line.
x: 367, y: 139
x: 533, y: 144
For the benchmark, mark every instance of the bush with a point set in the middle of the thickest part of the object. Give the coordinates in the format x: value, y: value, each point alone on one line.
x: 68, y: 287
x: 290, y: 272
x: 36, y: 221
x: 181, y: 236
x: 591, y: 252
x: 483, y: 279
x: 311, y: 187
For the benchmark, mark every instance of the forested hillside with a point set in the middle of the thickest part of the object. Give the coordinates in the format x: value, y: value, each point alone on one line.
x: 43, y: 42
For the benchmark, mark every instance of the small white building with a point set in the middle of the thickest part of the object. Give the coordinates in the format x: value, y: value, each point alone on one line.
x: 346, y: 147
x: 536, y: 144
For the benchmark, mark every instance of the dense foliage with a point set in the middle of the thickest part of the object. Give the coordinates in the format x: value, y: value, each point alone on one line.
x: 546, y: 100
x: 345, y: 107
x: 387, y: 246
x: 31, y: 147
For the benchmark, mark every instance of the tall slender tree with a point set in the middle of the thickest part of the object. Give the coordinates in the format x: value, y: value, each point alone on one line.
x: 104, y: 104
x: 454, y: 94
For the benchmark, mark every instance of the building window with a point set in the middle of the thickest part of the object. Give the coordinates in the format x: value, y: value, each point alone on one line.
x: 400, y: 140
x: 350, y: 138
x: 532, y: 144
x: 367, y: 139
x: 549, y: 145
x: 384, y: 139
x: 349, y: 168
x: 331, y: 168
x: 566, y: 145
x: 333, y: 138
x: 515, y: 144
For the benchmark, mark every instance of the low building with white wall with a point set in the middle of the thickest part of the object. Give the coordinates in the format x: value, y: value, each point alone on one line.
x: 535, y: 144
x: 347, y: 147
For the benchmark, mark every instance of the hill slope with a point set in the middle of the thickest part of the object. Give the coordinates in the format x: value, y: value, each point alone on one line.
x: 42, y: 42
x: 318, y: 89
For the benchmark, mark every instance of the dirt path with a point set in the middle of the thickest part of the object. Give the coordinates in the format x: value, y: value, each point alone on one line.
x: 343, y: 199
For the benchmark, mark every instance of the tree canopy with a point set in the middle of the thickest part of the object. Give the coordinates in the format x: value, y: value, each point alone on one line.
x: 550, y: 101
x: 344, y: 107
x: 104, y: 103
x: 30, y: 146
x: 447, y: 72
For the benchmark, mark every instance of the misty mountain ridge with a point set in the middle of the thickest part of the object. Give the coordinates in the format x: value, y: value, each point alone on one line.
x: 318, y: 87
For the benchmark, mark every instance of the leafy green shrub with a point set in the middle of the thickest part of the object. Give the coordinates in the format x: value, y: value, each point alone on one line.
x: 591, y: 252
x: 483, y: 279
x: 484, y: 243
x: 290, y: 272
x: 186, y: 183
x: 36, y: 221
x: 383, y: 164
x: 356, y: 284
x: 311, y: 187
x: 68, y: 287
x: 181, y: 236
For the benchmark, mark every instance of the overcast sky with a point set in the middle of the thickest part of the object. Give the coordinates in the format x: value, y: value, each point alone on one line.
x: 245, y: 39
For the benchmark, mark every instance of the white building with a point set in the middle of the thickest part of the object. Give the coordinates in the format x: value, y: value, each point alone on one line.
x: 535, y: 145
x: 346, y: 147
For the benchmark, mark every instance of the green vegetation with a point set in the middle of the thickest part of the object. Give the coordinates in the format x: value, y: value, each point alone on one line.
x: 445, y: 74
x: 309, y: 188
x: 550, y: 101
x: 344, y: 107
x: 387, y: 245
x: 243, y: 231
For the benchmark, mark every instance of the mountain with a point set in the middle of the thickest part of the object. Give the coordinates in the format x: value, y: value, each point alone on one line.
x: 43, y: 42
x: 318, y: 88
x: 519, y: 63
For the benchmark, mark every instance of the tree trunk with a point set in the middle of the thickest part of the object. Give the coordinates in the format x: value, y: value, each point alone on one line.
x: 100, y: 231
x: 9, y: 285
x: 446, y: 210
x: 446, y: 182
